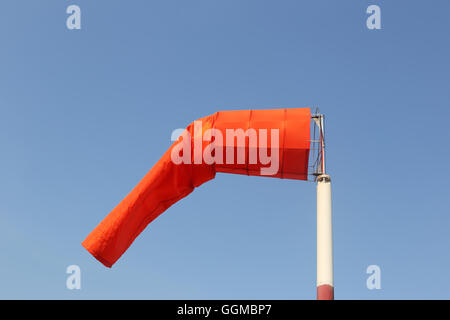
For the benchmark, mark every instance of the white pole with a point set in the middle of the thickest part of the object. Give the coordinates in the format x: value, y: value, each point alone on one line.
x: 325, y: 286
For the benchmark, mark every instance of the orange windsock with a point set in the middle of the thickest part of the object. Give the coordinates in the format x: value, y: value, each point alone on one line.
x: 272, y: 143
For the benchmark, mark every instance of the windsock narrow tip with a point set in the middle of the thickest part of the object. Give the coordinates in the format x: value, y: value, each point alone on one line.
x: 105, y: 262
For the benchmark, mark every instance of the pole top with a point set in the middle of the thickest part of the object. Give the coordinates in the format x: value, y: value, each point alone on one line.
x: 324, y: 178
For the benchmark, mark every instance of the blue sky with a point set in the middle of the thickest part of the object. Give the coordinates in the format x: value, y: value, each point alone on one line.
x: 84, y: 114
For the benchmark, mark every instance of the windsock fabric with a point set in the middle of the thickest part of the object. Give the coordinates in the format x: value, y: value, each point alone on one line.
x: 282, y: 134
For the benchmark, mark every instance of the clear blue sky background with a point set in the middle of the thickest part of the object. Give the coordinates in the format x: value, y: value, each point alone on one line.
x: 85, y: 114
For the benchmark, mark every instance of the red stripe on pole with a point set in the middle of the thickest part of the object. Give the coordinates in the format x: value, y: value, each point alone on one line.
x: 325, y: 292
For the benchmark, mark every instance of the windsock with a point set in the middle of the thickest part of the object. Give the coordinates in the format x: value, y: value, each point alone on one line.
x: 272, y: 143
